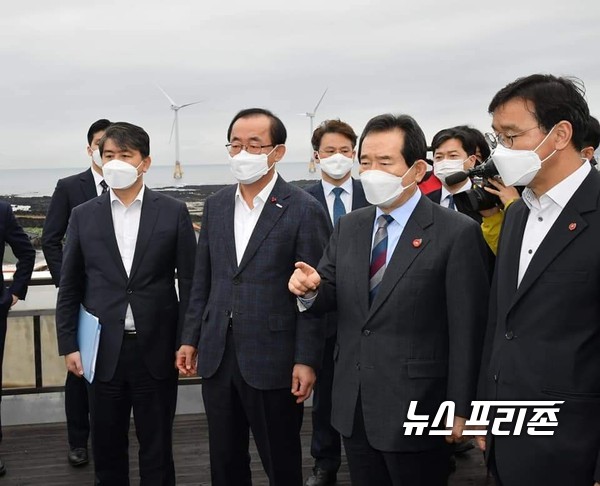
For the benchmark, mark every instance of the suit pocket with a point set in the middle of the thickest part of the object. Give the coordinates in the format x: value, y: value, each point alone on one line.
x: 423, y: 368
x: 571, y: 395
x: 282, y: 323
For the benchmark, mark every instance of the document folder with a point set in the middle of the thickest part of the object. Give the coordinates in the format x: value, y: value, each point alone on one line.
x: 88, y: 339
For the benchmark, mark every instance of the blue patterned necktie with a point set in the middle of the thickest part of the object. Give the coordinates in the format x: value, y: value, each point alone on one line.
x: 451, y: 202
x: 338, y: 205
x: 378, y: 255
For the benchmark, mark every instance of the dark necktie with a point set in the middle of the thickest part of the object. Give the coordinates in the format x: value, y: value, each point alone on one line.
x: 338, y: 205
x: 378, y: 255
x: 451, y: 202
x: 104, y: 186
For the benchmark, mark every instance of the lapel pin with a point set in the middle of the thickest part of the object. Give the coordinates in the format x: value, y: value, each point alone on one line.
x: 572, y: 226
x: 417, y: 242
x: 274, y: 201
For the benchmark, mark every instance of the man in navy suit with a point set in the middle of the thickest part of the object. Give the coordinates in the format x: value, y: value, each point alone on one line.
x: 543, y: 340
x: 12, y: 234
x: 70, y: 192
x: 256, y: 354
x: 121, y: 254
x: 334, y: 144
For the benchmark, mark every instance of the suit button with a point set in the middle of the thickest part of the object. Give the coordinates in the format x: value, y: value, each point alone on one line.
x: 358, y: 366
x: 237, y: 281
x: 509, y: 335
x: 129, y: 291
x: 366, y: 332
x: 495, y: 377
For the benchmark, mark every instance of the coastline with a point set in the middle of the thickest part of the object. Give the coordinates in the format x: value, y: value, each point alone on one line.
x: 31, y: 211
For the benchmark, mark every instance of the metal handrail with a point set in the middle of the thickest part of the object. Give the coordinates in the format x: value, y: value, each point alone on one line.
x: 37, y: 349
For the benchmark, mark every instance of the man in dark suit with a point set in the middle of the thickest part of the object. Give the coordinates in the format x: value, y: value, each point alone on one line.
x: 257, y: 356
x: 543, y: 340
x: 12, y: 234
x: 333, y: 142
x: 70, y: 192
x: 454, y: 150
x: 409, y: 283
x: 121, y: 254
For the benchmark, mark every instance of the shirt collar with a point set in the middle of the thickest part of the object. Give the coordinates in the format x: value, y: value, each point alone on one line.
x: 465, y: 187
x: 404, y: 212
x: 139, y: 197
x: 262, y: 195
x: 328, y: 187
x: 97, y: 177
x: 561, y: 193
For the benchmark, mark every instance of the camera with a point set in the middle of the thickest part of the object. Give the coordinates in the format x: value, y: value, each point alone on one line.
x: 477, y: 198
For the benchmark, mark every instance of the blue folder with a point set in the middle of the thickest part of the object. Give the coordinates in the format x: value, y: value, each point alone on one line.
x: 88, y: 339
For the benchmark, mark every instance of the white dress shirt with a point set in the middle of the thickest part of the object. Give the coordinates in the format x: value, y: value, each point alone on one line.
x: 245, y: 218
x: 544, y: 212
x: 445, y: 195
x: 97, y: 180
x: 126, y: 222
x: 345, y: 196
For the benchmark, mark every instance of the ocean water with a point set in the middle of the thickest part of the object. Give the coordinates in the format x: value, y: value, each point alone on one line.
x: 41, y: 182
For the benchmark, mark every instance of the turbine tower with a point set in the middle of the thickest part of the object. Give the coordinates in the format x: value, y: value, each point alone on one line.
x: 311, y: 116
x: 178, y: 173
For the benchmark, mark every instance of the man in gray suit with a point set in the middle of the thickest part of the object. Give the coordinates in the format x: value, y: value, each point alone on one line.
x: 408, y: 280
x: 257, y: 355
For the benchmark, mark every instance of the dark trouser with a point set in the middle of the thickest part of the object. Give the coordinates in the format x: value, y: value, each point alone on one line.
x: 369, y: 466
x: 152, y: 401
x: 77, y: 411
x: 326, y: 443
x: 3, y: 314
x: 232, y: 407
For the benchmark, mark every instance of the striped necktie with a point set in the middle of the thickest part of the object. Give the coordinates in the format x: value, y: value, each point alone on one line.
x: 338, y: 205
x: 378, y: 255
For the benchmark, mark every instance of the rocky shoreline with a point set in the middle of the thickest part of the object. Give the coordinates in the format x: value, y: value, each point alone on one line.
x: 31, y: 210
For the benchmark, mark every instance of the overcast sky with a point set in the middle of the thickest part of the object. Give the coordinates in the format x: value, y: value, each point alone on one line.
x: 67, y: 63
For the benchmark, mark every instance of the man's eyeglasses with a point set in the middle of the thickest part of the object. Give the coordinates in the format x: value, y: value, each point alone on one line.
x: 253, y: 148
x: 347, y: 152
x: 493, y: 139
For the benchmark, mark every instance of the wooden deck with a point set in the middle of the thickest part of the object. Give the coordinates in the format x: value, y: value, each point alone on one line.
x: 36, y: 455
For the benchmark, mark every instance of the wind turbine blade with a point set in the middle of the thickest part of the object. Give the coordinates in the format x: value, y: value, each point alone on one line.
x: 172, y: 130
x: 190, y: 104
x: 322, y: 96
x: 168, y: 97
x: 303, y: 114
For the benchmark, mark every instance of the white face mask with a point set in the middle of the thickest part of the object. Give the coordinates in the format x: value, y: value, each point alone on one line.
x: 382, y: 188
x: 447, y: 167
x: 336, y: 166
x: 247, y: 168
x: 97, y: 158
x: 518, y: 167
x: 120, y: 175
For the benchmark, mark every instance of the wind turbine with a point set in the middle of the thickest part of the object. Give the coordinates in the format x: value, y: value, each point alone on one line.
x: 311, y: 116
x: 175, y: 107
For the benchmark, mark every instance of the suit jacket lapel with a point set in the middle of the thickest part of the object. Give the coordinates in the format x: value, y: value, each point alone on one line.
x: 105, y: 223
x: 361, y: 256
x: 406, y: 251
x: 320, y: 196
x: 150, y: 210
x: 569, y: 225
x: 508, y: 267
x: 88, y: 185
x: 275, y: 206
x: 227, y: 219
x: 359, y: 199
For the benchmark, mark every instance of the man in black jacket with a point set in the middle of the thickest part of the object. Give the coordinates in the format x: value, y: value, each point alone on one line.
x: 334, y: 144
x: 12, y: 234
x: 69, y: 193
